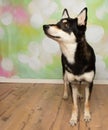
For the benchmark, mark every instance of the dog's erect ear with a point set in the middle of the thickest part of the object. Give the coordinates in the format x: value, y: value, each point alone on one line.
x: 82, y: 17
x: 65, y: 14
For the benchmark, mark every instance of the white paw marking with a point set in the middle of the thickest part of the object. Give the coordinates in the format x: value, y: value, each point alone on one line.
x: 73, y: 120
x: 65, y: 96
x: 87, y: 117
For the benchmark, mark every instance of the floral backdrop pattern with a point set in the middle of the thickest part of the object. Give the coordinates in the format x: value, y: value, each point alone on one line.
x: 25, y: 52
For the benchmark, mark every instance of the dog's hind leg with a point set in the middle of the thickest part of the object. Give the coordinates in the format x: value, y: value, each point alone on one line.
x: 88, y: 90
x: 74, y: 117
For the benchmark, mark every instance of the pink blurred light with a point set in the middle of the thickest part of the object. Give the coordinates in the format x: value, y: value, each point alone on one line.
x: 4, y: 73
x: 19, y: 13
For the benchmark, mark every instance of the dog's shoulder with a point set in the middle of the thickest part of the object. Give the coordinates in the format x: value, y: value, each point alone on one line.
x: 84, y: 53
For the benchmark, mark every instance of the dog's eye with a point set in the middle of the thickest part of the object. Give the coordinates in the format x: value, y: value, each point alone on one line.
x: 63, y: 24
x: 66, y: 25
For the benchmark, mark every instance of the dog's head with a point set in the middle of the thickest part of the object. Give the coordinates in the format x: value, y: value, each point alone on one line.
x: 68, y: 29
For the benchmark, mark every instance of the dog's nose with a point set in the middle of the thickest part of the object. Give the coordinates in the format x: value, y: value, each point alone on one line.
x: 45, y: 27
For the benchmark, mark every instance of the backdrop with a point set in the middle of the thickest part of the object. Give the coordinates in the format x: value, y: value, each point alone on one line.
x: 25, y: 52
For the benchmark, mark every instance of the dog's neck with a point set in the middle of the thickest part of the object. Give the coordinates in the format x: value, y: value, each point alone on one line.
x: 68, y: 51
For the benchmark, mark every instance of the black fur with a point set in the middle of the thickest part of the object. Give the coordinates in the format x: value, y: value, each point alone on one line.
x: 84, y: 55
x: 84, y: 60
x: 78, y: 58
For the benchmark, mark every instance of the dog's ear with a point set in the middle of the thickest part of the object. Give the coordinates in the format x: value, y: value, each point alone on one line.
x: 82, y: 17
x: 65, y: 14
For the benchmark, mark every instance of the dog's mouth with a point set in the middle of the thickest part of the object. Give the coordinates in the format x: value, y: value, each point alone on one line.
x: 51, y: 36
x: 45, y: 28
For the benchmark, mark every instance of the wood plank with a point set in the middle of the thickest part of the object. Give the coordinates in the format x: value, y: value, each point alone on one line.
x: 19, y: 112
x: 95, y: 123
x: 13, y: 105
x: 50, y: 108
x: 41, y: 107
x: 12, y: 98
x: 24, y: 108
x: 47, y: 108
x: 5, y: 90
x: 99, y: 105
x: 64, y: 115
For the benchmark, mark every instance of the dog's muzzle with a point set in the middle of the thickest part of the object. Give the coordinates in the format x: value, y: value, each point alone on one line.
x: 45, y: 28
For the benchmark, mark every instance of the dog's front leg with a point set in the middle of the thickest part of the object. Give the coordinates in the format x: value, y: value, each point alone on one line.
x: 65, y: 94
x: 74, y: 117
x: 87, y: 115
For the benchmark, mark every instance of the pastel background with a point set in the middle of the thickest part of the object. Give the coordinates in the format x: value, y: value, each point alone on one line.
x: 25, y: 52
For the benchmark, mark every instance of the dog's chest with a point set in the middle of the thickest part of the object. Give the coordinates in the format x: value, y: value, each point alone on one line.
x: 69, y: 51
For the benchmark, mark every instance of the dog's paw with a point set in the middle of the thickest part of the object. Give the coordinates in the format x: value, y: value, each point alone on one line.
x: 73, y: 120
x: 65, y: 96
x: 87, y: 117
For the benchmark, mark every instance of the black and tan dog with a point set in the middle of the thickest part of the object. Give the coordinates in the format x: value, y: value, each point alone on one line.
x: 78, y: 58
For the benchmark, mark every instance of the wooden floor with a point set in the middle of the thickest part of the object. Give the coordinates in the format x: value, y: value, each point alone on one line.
x: 41, y: 107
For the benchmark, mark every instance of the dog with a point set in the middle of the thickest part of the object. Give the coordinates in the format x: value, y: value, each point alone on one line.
x: 77, y: 57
